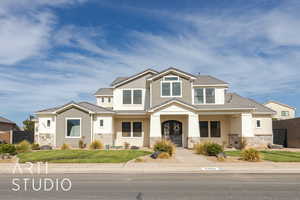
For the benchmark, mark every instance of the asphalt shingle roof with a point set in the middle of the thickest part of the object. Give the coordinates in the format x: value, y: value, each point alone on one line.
x: 4, y: 120
x: 208, y: 80
x: 105, y: 91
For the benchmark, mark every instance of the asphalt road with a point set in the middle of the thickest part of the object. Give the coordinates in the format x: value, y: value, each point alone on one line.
x: 163, y: 187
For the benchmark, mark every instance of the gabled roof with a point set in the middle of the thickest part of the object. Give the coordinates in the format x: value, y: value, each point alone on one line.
x: 89, y: 107
x: 4, y: 120
x: 233, y: 101
x: 170, y: 101
x: 208, y: 80
x: 122, y: 80
x: 282, y: 104
x: 172, y: 69
x: 104, y: 92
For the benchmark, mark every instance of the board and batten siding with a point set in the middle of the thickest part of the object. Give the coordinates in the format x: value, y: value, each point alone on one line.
x: 156, y: 90
x: 61, y: 127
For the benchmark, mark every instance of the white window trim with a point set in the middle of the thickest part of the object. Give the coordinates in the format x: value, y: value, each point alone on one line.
x: 171, y: 86
x: 131, y: 126
x: 101, y: 127
x: 256, y: 123
x: 132, y: 89
x: 66, y: 128
x: 204, y: 96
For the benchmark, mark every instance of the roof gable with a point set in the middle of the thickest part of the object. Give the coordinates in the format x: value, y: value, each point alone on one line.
x: 174, y: 71
x: 281, y: 104
x: 123, y: 80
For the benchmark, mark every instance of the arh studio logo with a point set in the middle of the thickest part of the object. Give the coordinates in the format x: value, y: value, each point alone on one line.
x: 35, y: 184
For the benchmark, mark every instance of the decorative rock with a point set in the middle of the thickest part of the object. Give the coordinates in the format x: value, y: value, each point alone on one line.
x: 134, y: 147
x: 275, y: 146
x: 45, y: 147
x: 155, y: 154
x: 221, y: 155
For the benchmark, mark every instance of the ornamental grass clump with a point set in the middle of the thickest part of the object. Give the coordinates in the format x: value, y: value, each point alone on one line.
x: 164, y: 155
x: 23, y: 146
x: 96, y: 144
x: 251, y: 155
x: 65, y: 147
x: 165, y: 146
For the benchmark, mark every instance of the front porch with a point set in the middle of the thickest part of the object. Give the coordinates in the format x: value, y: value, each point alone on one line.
x: 185, y: 127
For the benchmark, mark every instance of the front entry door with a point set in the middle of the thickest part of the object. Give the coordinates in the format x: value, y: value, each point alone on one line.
x: 172, y: 130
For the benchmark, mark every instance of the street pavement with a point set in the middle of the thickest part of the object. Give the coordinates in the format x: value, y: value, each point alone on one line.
x: 157, y: 186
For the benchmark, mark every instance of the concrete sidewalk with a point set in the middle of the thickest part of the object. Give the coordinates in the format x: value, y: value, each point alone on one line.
x: 154, y: 168
x: 185, y: 161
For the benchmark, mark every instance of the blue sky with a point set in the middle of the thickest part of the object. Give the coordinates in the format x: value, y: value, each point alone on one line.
x: 55, y: 51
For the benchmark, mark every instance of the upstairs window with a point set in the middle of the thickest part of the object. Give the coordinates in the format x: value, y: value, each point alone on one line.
x: 102, y: 99
x: 171, y: 86
x: 126, y: 96
x: 285, y: 113
x: 132, y: 96
x: 199, y: 96
x: 204, y: 95
x: 109, y: 100
x: 210, y: 95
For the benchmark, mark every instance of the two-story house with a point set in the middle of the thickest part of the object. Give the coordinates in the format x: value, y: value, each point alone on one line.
x: 151, y: 105
x: 283, y: 111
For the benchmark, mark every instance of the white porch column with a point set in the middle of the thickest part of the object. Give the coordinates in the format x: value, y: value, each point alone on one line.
x: 246, y: 122
x: 193, y: 129
x: 155, y: 128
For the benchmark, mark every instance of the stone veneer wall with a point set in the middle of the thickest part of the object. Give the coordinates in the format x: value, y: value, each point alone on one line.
x: 192, y: 141
x: 46, y: 139
x: 260, y: 140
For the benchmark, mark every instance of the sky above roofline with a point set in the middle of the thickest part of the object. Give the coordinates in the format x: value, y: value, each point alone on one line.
x: 55, y: 51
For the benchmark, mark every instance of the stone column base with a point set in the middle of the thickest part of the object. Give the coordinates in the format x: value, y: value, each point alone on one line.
x: 192, y: 141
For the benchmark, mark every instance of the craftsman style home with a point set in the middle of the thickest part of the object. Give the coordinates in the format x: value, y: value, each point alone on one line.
x: 151, y: 105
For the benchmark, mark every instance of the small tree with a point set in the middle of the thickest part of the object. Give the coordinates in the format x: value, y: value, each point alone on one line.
x: 29, y: 124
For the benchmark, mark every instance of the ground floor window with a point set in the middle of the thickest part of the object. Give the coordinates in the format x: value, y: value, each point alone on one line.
x: 215, y: 129
x: 132, y: 129
x: 73, y: 128
x: 203, y: 128
x: 210, y: 128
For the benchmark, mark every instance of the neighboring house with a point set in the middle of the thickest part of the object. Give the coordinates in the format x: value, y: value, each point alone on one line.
x: 6, y: 129
x: 287, y: 132
x: 283, y: 111
x: 151, y: 105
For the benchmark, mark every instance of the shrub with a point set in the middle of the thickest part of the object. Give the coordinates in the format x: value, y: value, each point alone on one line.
x: 35, y: 146
x: 8, y: 148
x: 23, y: 146
x: 96, y: 144
x: 165, y: 146
x: 164, y: 155
x: 213, y: 149
x: 208, y: 148
x: 251, y: 154
x: 200, y: 148
x: 126, y: 145
x: 81, y: 144
x: 65, y: 147
x: 138, y: 160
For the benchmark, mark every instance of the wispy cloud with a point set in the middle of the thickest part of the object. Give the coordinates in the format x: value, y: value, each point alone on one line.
x: 43, y: 65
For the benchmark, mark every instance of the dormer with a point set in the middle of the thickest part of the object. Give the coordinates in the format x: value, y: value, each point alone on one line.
x: 104, y: 97
x: 207, y: 90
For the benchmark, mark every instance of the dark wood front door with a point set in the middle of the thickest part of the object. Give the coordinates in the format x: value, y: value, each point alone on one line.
x: 172, y: 130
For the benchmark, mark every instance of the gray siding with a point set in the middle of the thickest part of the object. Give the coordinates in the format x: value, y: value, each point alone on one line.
x: 186, y: 91
x: 61, y: 127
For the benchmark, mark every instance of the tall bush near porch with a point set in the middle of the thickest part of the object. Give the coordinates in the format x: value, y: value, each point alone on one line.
x: 165, y: 146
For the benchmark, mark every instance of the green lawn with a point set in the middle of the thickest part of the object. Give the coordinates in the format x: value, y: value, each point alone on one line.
x: 274, y: 156
x: 81, y: 156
